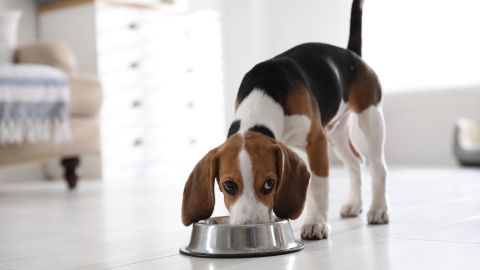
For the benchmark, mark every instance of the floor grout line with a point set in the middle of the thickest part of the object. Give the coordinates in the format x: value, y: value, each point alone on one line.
x: 147, y: 260
x: 433, y: 240
x: 471, y: 260
x: 435, y: 227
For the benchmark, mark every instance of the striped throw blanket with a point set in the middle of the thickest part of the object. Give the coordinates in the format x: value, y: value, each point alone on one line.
x: 34, y: 104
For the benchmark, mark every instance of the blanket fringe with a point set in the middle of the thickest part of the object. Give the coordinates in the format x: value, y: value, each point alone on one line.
x: 34, y: 131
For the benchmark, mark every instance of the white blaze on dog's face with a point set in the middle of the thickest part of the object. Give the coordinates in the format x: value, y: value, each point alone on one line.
x: 251, y: 201
x: 247, y: 208
x: 256, y: 174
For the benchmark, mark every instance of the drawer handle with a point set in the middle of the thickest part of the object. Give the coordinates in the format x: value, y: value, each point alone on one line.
x: 138, y: 142
x: 193, y: 141
x: 136, y: 104
x: 190, y: 104
x: 134, y: 65
x: 132, y: 26
x: 190, y: 70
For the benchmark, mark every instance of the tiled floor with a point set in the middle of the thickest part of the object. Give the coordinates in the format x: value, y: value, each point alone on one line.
x: 136, y: 224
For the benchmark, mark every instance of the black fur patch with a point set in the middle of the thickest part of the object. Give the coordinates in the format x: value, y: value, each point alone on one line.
x: 326, y: 71
x: 234, y: 128
x: 264, y: 130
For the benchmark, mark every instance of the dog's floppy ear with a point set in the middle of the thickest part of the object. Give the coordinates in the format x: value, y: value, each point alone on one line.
x: 198, y: 194
x: 291, y: 191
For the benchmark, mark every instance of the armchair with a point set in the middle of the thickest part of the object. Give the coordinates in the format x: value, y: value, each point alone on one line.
x: 86, y: 99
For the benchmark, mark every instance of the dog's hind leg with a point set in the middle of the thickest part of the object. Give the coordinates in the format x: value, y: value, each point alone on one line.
x: 352, y: 160
x: 372, y: 124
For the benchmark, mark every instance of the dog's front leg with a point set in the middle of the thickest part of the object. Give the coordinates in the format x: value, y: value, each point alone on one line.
x: 316, y: 226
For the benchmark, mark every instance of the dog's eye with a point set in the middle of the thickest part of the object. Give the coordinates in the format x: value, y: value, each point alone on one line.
x: 230, y: 187
x: 268, y: 185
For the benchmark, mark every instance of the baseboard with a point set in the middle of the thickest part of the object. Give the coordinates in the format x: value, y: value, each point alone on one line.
x: 90, y: 168
x: 420, y: 124
x: 19, y: 172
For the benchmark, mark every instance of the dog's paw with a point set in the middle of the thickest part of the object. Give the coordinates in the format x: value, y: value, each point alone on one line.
x: 316, y: 231
x: 351, y: 209
x: 378, y: 215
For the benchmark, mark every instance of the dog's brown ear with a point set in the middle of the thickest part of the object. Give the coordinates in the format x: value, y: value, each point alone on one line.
x: 198, y: 194
x: 292, y: 188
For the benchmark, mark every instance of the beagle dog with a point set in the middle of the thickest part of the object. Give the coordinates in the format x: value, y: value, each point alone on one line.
x: 298, y: 100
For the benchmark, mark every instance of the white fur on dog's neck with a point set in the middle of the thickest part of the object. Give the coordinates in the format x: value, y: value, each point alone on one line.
x: 260, y: 109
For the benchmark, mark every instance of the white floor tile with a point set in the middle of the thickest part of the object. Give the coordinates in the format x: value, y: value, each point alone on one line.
x: 135, y: 224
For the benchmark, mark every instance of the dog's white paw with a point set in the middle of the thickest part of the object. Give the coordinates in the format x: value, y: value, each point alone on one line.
x: 378, y: 215
x: 316, y: 231
x: 351, y: 209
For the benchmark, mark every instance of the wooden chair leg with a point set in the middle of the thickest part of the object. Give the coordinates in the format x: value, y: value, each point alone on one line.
x: 70, y: 166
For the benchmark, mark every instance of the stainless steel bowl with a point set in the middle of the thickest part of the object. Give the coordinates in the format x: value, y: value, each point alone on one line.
x: 216, y: 238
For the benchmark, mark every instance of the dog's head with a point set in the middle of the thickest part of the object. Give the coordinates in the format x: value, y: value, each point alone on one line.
x: 256, y: 175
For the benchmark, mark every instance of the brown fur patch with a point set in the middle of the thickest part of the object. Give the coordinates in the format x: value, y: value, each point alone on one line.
x: 317, y: 152
x: 236, y: 104
x: 365, y: 90
x: 354, y: 149
x: 299, y: 101
x: 198, y: 194
x: 291, y: 192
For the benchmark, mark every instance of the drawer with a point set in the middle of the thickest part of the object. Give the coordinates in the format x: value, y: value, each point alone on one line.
x: 187, y: 134
x: 120, y: 80
x: 112, y: 17
x: 205, y: 82
x: 165, y: 78
x: 167, y: 58
x: 121, y: 120
x: 185, y: 112
x: 161, y: 26
x: 118, y: 39
x: 171, y: 147
x: 126, y: 59
x: 174, y: 149
x: 205, y: 32
x: 124, y: 101
x: 129, y: 140
x: 125, y: 130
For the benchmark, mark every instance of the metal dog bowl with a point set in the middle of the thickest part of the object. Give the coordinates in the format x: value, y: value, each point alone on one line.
x: 214, y: 237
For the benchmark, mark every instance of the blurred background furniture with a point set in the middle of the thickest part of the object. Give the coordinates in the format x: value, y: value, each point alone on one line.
x: 466, y: 144
x: 86, y: 99
x: 161, y: 71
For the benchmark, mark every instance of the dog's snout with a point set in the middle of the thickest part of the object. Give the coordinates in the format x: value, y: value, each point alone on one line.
x: 252, y: 217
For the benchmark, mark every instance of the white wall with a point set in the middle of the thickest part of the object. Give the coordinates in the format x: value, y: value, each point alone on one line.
x: 420, y: 125
x: 76, y: 27
x: 27, y: 27
x: 205, y: 4
x: 423, y: 44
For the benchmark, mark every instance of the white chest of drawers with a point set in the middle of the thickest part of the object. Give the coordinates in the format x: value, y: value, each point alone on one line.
x: 163, y: 89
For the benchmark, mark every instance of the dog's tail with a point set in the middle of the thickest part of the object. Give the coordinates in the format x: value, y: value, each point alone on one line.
x: 355, y: 39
